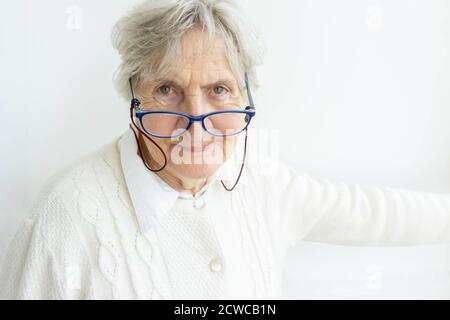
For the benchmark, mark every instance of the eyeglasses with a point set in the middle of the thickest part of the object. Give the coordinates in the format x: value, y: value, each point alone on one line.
x: 171, y: 124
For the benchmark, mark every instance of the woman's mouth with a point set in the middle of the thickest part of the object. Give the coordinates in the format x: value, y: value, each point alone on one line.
x: 196, y: 148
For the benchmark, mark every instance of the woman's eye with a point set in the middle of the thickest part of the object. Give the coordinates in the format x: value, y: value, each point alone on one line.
x: 165, y: 89
x: 219, y: 89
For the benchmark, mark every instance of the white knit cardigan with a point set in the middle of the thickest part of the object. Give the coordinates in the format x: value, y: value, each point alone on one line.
x: 82, y: 241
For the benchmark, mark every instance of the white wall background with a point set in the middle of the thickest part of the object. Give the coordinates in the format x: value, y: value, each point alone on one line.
x: 366, y: 85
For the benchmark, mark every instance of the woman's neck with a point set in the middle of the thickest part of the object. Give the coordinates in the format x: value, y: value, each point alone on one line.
x: 183, y: 185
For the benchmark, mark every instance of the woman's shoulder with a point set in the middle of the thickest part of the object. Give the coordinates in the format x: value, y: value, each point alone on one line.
x: 67, y: 223
x: 77, y: 187
x: 262, y: 170
x: 54, y: 242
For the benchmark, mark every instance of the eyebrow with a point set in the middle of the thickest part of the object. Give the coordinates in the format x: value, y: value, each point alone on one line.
x: 175, y: 82
x: 226, y: 81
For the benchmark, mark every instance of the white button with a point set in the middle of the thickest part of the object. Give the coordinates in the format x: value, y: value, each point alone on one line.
x: 199, y: 202
x: 215, y: 265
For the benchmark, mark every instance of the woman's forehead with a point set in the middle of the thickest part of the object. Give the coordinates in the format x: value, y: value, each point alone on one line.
x: 196, y: 44
x: 200, y: 61
x: 198, y: 51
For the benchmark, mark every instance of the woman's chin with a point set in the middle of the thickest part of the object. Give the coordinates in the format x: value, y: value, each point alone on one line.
x: 196, y: 171
x: 196, y: 165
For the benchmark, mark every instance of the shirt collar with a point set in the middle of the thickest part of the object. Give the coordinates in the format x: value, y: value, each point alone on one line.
x: 151, y: 196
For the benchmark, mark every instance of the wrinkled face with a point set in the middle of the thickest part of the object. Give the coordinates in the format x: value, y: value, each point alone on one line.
x: 204, y: 83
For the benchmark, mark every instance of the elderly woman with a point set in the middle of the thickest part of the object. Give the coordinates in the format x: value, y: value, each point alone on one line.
x: 167, y: 210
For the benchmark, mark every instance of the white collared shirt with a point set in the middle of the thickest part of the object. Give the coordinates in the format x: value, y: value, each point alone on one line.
x: 192, y: 228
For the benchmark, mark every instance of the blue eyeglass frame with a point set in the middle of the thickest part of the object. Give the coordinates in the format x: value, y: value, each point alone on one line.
x: 249, y: 111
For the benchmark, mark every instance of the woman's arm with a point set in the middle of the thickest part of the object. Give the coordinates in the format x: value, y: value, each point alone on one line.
x: 45, y: 259
x: 320, y: 210
x: 29, y: 271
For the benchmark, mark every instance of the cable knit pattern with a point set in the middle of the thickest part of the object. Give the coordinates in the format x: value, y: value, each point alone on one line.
x: 81, y: 240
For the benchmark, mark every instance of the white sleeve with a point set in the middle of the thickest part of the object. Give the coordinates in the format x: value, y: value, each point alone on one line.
x: 45, y: 260
x: 320, y: 210
x: 29, y: 271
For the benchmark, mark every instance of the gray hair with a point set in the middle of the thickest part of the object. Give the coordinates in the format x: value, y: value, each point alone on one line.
x: 148, y: 39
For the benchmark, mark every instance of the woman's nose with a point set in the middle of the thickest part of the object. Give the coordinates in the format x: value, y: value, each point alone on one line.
x: 195, y: 104
x: 196, y: 128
